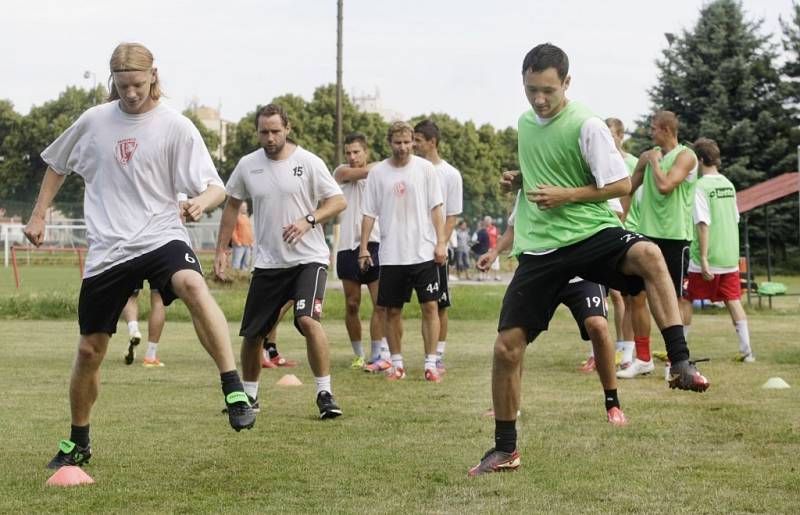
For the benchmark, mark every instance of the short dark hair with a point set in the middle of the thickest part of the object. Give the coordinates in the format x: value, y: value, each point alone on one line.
x: 429, y: 130
x: 666, y: 120
x: 356, y: 137
x: 544, y: 56
x: 707, y: 151
x: 271, y: 110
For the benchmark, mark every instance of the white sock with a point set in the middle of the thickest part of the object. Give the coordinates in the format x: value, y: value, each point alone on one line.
x: 591, y: 350
x: 397, y: 360
x: 152, y: 347
x: 385, y: 354
x: 686, y: 332
x: 375, y: 353
x: 358, y: 350
x: 430, y: 362
x: 619, y: 345
x: 251, y: 388
x: 133, y: 327
x: 323, y: 384
x: 744, y: 336
x: 440, y: 346
x: 627, y: 351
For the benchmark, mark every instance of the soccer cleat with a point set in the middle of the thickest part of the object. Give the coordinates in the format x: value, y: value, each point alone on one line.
x: 624, y: 365
x: 278, y: 361
x: 357, y: 363
x: 265, y: 361
x: 440, y: 369
x: 152, y: 363
x: 132, y: 343
x: 327, y: 406
x: 637, y: 368
x: 496, y: 461
x: 394, y: 374
x: 616, y: 417
x: 378, y: 366
x: 240, y: 414
x: 256, y: 407
x: 70, y: 454
x: 685, y: 376
x: 588, y: 365
x: 744, y: 358
x: 432, y: 376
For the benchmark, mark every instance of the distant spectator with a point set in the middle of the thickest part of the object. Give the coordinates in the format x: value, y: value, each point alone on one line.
x: 492, y: 231
x: 242, y: 240
x: 462, y: 249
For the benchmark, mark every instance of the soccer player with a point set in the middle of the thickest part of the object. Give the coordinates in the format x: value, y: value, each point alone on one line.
x: 352, y: 179
x: 426, y: 145
x: 564, y: 228
x: 667, y: 174
x: 714, y: 261
x: 155, y: 326
x: 135, y: 154
x: 492, y: 233
x: 586, y: 301
x: 292, y: 193
x: 403, y: 193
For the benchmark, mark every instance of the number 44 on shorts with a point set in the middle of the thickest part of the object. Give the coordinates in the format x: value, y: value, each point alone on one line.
x: 432, y: 287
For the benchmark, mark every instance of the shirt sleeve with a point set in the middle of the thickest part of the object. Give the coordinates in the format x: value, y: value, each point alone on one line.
x: 194, y: 170
x: 455, y: 194
x: 70, y: 152
x: 325, y: 185
x: 434, y: 188
x: 701, y: 211
x: 599, y: 151
x: 513, y: 216
x: 369, y: 206
x: 615, y: 205
x: 236, y: 187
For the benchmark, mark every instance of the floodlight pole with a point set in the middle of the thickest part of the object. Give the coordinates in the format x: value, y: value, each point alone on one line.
x: 339, y: 9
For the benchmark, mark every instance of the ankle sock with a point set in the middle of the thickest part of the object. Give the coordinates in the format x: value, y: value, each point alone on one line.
x: 505, y: 435
x: 677, y: 350
x: 231, y: 382
x: 79, y: 435
x: 612, y: 401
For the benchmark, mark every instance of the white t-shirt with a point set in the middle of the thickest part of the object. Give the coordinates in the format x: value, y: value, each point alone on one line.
x: 350, y: 219
x: 452, y: 193
x: 283, y: 192
x: 402, y: 200
x: 133, y: 166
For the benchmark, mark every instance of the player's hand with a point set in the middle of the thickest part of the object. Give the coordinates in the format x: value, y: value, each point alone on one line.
x: 192, y: 209
x: 34, y: 230
x: 294, y: 232
x: 365, y: 262
x: 440, y: 254
x: 510, y: 181
x: 653, y: 155
x: 549, y: 197
x: 486, y: 260
x: 220, y: 263
x: 706, y: 272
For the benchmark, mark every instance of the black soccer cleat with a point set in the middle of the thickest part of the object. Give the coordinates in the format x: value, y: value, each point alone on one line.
x: 132, y: 343
x: 70, y: 455
x: 253, y: 404
x: 240, y: 413
x: 685, y: 376
x: 327, y: 406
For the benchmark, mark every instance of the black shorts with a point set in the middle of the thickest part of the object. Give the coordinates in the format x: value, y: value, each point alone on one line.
x: 271, y: 288
x: 140, y: 286
x: 676, y: 255
x: 347, y: 265
x: 104, y: 295
x: 397, y: 281
x: 584, y: 299
x: 444, y: 287
x: 532, y: 295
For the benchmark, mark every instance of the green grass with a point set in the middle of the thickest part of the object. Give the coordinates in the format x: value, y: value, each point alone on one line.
x: 161, y: 444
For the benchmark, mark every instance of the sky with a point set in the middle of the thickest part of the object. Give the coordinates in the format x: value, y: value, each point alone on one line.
x: 460, y: 57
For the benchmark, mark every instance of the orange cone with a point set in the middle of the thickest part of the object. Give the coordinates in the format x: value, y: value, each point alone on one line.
x: 70, y: 476
x: 289, y: 380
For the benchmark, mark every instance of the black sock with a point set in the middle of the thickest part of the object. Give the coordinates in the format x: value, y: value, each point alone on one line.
x: 677, y: 350
x: 271, y: 348
x: 612, y: 401
x: 505, y: 435
x: 231, y: 382
x: 80, y: 435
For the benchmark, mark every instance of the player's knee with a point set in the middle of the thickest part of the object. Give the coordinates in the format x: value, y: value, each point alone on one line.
x: 507, y: 351
x: 306, y: 324
x: 189, y: 285
x: 91, y: 349
x: 352, y: 305
x: 596, y: 327
x: 394, y: 313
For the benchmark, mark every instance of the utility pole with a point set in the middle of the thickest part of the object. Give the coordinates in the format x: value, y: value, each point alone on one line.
x: 339, y: 9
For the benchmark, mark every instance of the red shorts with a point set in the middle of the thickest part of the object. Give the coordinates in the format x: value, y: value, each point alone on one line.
x: 722, y: 287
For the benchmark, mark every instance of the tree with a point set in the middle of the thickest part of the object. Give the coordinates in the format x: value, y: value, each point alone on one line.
x: 722, y: 81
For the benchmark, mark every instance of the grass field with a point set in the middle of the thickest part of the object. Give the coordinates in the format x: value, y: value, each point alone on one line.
x: 162, y: 445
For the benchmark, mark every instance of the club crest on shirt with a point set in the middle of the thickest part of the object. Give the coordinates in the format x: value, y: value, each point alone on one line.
x: 400, y: 188
x: 125, y: 149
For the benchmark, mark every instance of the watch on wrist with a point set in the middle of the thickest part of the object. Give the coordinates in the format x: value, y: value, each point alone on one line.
x: 311, y: 220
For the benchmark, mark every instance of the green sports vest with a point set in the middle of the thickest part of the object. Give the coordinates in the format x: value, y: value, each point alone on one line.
x: 723, y: 233
x: 632, y: 218
x: 550, y: 154
x: 669, y: 216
